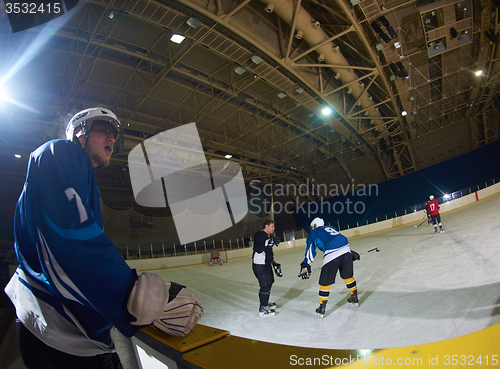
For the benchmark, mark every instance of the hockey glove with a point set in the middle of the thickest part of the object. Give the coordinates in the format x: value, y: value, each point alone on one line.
x: 169, y: 306
x: 355, y: 255
x: 276, y: 241
x: 305, y: 271
x: 277, y: 270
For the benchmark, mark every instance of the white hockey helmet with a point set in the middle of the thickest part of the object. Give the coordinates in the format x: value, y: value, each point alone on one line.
x: 431, y: 197
x: 84, y: 119
x: 317, y: 222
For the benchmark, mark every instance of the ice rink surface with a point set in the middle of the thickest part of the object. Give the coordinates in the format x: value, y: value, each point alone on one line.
x: 421, y: 287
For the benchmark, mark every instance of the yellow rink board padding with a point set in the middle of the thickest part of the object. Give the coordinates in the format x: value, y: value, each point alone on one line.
x: 479, y: 349
x: 199, y: 336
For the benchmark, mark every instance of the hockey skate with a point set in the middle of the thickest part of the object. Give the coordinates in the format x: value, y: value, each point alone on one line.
x: 321, y: 310
x: 353, y: 299
x: 442, y: 230
x: 265, y: 311
x: 435, y: 230
x: 271, y: 306
x: 211, y: 263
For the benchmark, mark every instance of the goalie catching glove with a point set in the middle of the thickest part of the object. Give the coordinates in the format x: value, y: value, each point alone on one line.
x: 277, y: 269
x: 169, y: 306
x: 305, y: 271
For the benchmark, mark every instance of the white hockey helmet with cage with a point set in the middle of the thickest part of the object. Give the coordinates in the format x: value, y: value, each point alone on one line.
x: 431, y: 197
x: 81, y: 124
x: 317, y: 222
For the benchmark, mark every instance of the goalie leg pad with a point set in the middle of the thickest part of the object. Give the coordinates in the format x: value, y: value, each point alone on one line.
x: 181, y: 313
x: 147, y: 298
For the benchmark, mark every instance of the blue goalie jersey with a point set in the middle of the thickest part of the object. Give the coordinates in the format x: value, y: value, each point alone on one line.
x: 328, y: 240
x: 71, y: 283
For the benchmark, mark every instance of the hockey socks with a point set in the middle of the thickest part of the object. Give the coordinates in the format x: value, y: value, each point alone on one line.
x: 353, y: 290
x: 324, y: 293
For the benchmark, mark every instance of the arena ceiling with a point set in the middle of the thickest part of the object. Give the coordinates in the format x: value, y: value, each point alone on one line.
x: 255, y: 76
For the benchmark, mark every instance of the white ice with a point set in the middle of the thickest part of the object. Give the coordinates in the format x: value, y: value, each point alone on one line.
x: 421, y: 287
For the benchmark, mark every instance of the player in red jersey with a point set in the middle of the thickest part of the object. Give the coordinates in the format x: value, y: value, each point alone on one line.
x: 433, y: 210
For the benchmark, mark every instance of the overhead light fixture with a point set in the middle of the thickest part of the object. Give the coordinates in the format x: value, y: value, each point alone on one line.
x: 397, y: 44
x: 299, y: 35
x: 282, y: 94
x: 177, y: 38
x: 269, y: 8
x: 228, y: 156
x: 193, y: 22
x: 115, y: 15
x: 326, y: 111
x: 404, y: 113
x: 299, y: 89
x: 257, y: 59
x: 479, y: 73
x: 239, y: 70
x: 18, y: 156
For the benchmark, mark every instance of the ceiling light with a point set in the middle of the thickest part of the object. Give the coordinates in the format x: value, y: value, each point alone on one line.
x: 18, y: 156
x: 228, y: 156
x: 115, y: 15
x: 299, y: 89
x: 269, y: 8
x: 326, y: 111
x: 281, y: 94
x: 479, y: 73
x: 193, y: 22
x: 177, y: 38
x: 257, y: 59
x: 239, y: 70
x: 397, y: 44
x: 404, y: 113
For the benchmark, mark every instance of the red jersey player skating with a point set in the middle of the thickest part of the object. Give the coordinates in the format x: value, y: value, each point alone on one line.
x: 433, y: 210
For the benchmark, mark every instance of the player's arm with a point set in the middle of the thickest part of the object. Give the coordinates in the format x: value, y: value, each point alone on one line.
x: 305, y: 266
x: 259, y: 242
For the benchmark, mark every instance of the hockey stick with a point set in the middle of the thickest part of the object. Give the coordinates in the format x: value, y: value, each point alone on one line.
x: 374, y: 249
x: 366, y: 252
x: 423, y: 221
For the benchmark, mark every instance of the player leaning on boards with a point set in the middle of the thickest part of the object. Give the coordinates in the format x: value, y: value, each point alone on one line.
x: 72, y: 285
x: 433, y: 210
x: 263, y: 264
x: 337, y: 256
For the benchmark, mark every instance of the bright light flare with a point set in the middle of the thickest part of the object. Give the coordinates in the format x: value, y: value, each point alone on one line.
x: 479, y: 73
x: 326, y: 111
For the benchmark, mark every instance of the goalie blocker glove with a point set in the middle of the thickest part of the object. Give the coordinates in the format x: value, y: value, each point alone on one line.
x: 355, y: 255
x: 305, y: 271
x: 277, y: 270
x: 169, y: 306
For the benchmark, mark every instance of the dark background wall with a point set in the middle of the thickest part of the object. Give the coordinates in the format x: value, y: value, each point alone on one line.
x: 412, y: 191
